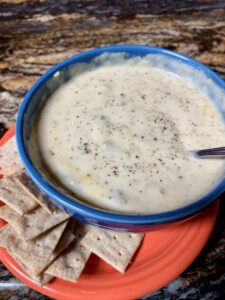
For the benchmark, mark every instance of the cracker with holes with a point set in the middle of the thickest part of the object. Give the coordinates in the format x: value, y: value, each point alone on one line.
x: 116, y: 248
x: 26, y: 183
x: 9, y: 158
x: 7, y: 236
x: 66, y: 239
x: 12, y: 195
x: 40, y: 279
x: 34, y: 223
x: 37, y: 254
x: 70, y: 264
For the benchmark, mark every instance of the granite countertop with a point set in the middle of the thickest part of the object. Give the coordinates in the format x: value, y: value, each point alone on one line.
x: 34, y: 35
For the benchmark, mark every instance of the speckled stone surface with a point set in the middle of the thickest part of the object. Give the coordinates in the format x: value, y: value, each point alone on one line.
x: 34, y: 35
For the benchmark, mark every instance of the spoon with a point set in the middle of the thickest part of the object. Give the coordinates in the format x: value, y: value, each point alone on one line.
x: 213, y: 152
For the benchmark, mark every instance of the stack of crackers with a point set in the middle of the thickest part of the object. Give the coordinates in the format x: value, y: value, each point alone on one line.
x: 45, y: 241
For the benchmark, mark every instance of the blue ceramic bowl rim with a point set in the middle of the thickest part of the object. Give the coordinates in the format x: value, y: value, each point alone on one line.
x: 91, y: 212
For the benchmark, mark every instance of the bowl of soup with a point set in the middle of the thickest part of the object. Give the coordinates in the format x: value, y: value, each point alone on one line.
x: 107, y: 135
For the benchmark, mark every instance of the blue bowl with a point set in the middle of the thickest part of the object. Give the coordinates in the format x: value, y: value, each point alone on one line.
x: 40, y: 91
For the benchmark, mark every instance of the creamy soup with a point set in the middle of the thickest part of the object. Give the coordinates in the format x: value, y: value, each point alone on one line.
x: 118, y: 136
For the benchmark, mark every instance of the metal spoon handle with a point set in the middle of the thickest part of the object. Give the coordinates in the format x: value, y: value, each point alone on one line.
x: 213, y: 152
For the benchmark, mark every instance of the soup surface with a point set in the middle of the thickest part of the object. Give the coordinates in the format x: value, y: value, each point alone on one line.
x: 118, y: 136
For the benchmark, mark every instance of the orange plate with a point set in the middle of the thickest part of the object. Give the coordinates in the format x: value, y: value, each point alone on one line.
x: 163, y: 255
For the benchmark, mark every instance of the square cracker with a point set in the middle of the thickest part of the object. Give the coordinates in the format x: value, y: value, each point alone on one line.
x: 12, y: 195
x: 66, y: 239
x: 116, y: 248
x: 24, y: 180
x: 10, y: 162
x: 6, y: 234
x: 40, y: 279
x: 37, y: 254
x: 34, y: 223
x: 70, y: 264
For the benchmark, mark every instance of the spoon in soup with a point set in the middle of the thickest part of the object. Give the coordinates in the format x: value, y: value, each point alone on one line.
x: 213, y: 152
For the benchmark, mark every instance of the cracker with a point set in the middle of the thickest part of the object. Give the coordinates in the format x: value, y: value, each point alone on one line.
x: 12, y: 195
x: 70, y: 264
x: 67, y: 238
x: 4, y: 233
x: 36, y: 255
x: 32, y: 224
x: 40, y: 279
x: 116, y: 248
x: 80, y: 229
x: 24, y: 180
x: 10, y: 162
x: 72, y: 224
